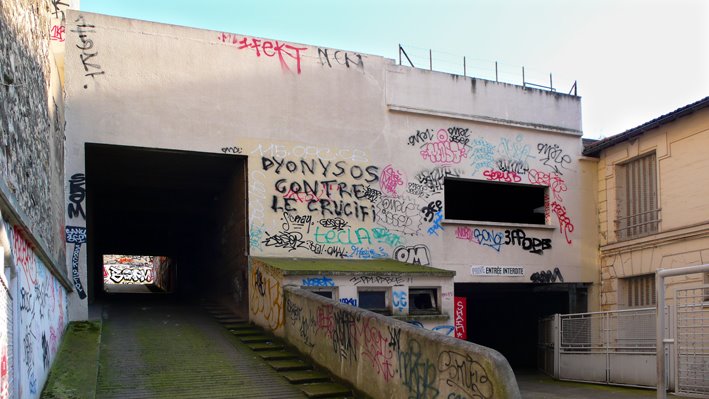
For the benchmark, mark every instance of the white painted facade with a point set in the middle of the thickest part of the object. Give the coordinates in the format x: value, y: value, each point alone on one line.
x: 350, y: 118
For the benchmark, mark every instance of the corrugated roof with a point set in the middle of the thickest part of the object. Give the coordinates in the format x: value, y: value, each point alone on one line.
x: 595, y: 148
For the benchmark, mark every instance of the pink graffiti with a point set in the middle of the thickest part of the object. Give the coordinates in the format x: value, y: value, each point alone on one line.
x: 390, y: 179
x: 52, y: 340
x: 464, y: 233
x: 325, y: 321
x: 267, y: 48
x: 551, y: 180
x: 4, y: 377
x: 443, y: 150
x: 24, y: 256
x: 57, y: 33
x: 565, y: 225
x: 376, y: 349
x: 496, y: 175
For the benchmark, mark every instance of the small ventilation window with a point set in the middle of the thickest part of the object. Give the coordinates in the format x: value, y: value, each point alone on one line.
x: 423, y: 301
x: 374, y: 300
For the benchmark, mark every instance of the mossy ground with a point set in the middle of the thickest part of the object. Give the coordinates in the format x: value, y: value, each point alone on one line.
x: 73, y: 374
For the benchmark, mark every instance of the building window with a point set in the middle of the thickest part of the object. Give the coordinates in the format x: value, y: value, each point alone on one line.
x: 638, y: 210
x: 374, y: 299
x: 326, y: 294
x: 423, y: 301
x: 486, y: 201
x: 639, y: 291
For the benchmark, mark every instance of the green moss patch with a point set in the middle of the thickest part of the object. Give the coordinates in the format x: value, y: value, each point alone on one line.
x: 73, y: 374
x: 333, y: 266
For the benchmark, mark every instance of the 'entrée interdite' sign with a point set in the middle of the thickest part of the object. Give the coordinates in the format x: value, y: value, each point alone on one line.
x: 502, y: 271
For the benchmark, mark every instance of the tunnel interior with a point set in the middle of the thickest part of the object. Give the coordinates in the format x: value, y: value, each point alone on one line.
x: 505, y: 316
x: 188, y: 207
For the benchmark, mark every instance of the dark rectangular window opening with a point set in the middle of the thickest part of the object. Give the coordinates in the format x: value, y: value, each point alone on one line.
x: 485, y: 201
x: 423, y: 301
x: 374, y: 300
x: 326, y: 294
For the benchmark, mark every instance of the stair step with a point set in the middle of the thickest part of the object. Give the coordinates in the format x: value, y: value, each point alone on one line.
x: 277, y: 355
x: 232, y: 320
x: 245, y: 332
x: 251, y: 339
x: 325, y: 390
x: 264, y: 346
x: 304, y: 376
x: 289, y: 365
x: 237, y: 326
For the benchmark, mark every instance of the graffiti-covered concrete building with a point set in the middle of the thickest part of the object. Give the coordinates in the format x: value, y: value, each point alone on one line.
x: 213, y: 148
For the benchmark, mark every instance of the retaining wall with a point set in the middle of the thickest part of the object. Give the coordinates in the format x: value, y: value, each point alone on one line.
x: 387, y: 358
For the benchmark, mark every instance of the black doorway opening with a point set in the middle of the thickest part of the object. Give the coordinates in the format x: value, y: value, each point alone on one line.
x: 505, y: 316
x: 187, y: 207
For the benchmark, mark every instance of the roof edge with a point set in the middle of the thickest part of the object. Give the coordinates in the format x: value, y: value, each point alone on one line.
x: 595, y: 148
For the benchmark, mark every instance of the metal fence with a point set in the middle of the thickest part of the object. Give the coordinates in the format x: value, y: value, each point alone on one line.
x: 692, y: 341
x: 418, y: 57
x: 615, y: 347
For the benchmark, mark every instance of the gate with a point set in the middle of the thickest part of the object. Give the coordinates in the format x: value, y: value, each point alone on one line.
x: 614, y: 347
x: 692, y: 343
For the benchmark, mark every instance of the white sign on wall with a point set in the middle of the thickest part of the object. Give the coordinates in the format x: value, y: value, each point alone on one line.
x: 504, y: 271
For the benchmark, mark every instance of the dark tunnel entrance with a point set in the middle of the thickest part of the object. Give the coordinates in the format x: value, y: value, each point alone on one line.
x: 505, y: 316
x: 183, y: 211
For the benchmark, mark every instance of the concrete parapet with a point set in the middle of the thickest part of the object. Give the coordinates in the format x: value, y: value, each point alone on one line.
x: 387, y: 358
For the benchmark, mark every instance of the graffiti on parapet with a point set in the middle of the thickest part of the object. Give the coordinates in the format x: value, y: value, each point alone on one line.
x: 416, y: 254
x: 338, y: 57
x: 464, y: 373
x: 553, y: 156
x: 417, y: 373
x: 265, y: 298
x: 270, y: 49
x: 77, y: 194
x: 547, y: 276
x: 86, y: 45
x: 77, y: 236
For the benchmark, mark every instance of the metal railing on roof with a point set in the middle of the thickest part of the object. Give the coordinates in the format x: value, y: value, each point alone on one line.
x: 482, y: 70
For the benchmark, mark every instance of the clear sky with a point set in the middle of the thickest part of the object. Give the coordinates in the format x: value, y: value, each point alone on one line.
x: 634, y: 60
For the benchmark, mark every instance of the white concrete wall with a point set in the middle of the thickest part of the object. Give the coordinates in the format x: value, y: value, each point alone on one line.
x: 164, y: 86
